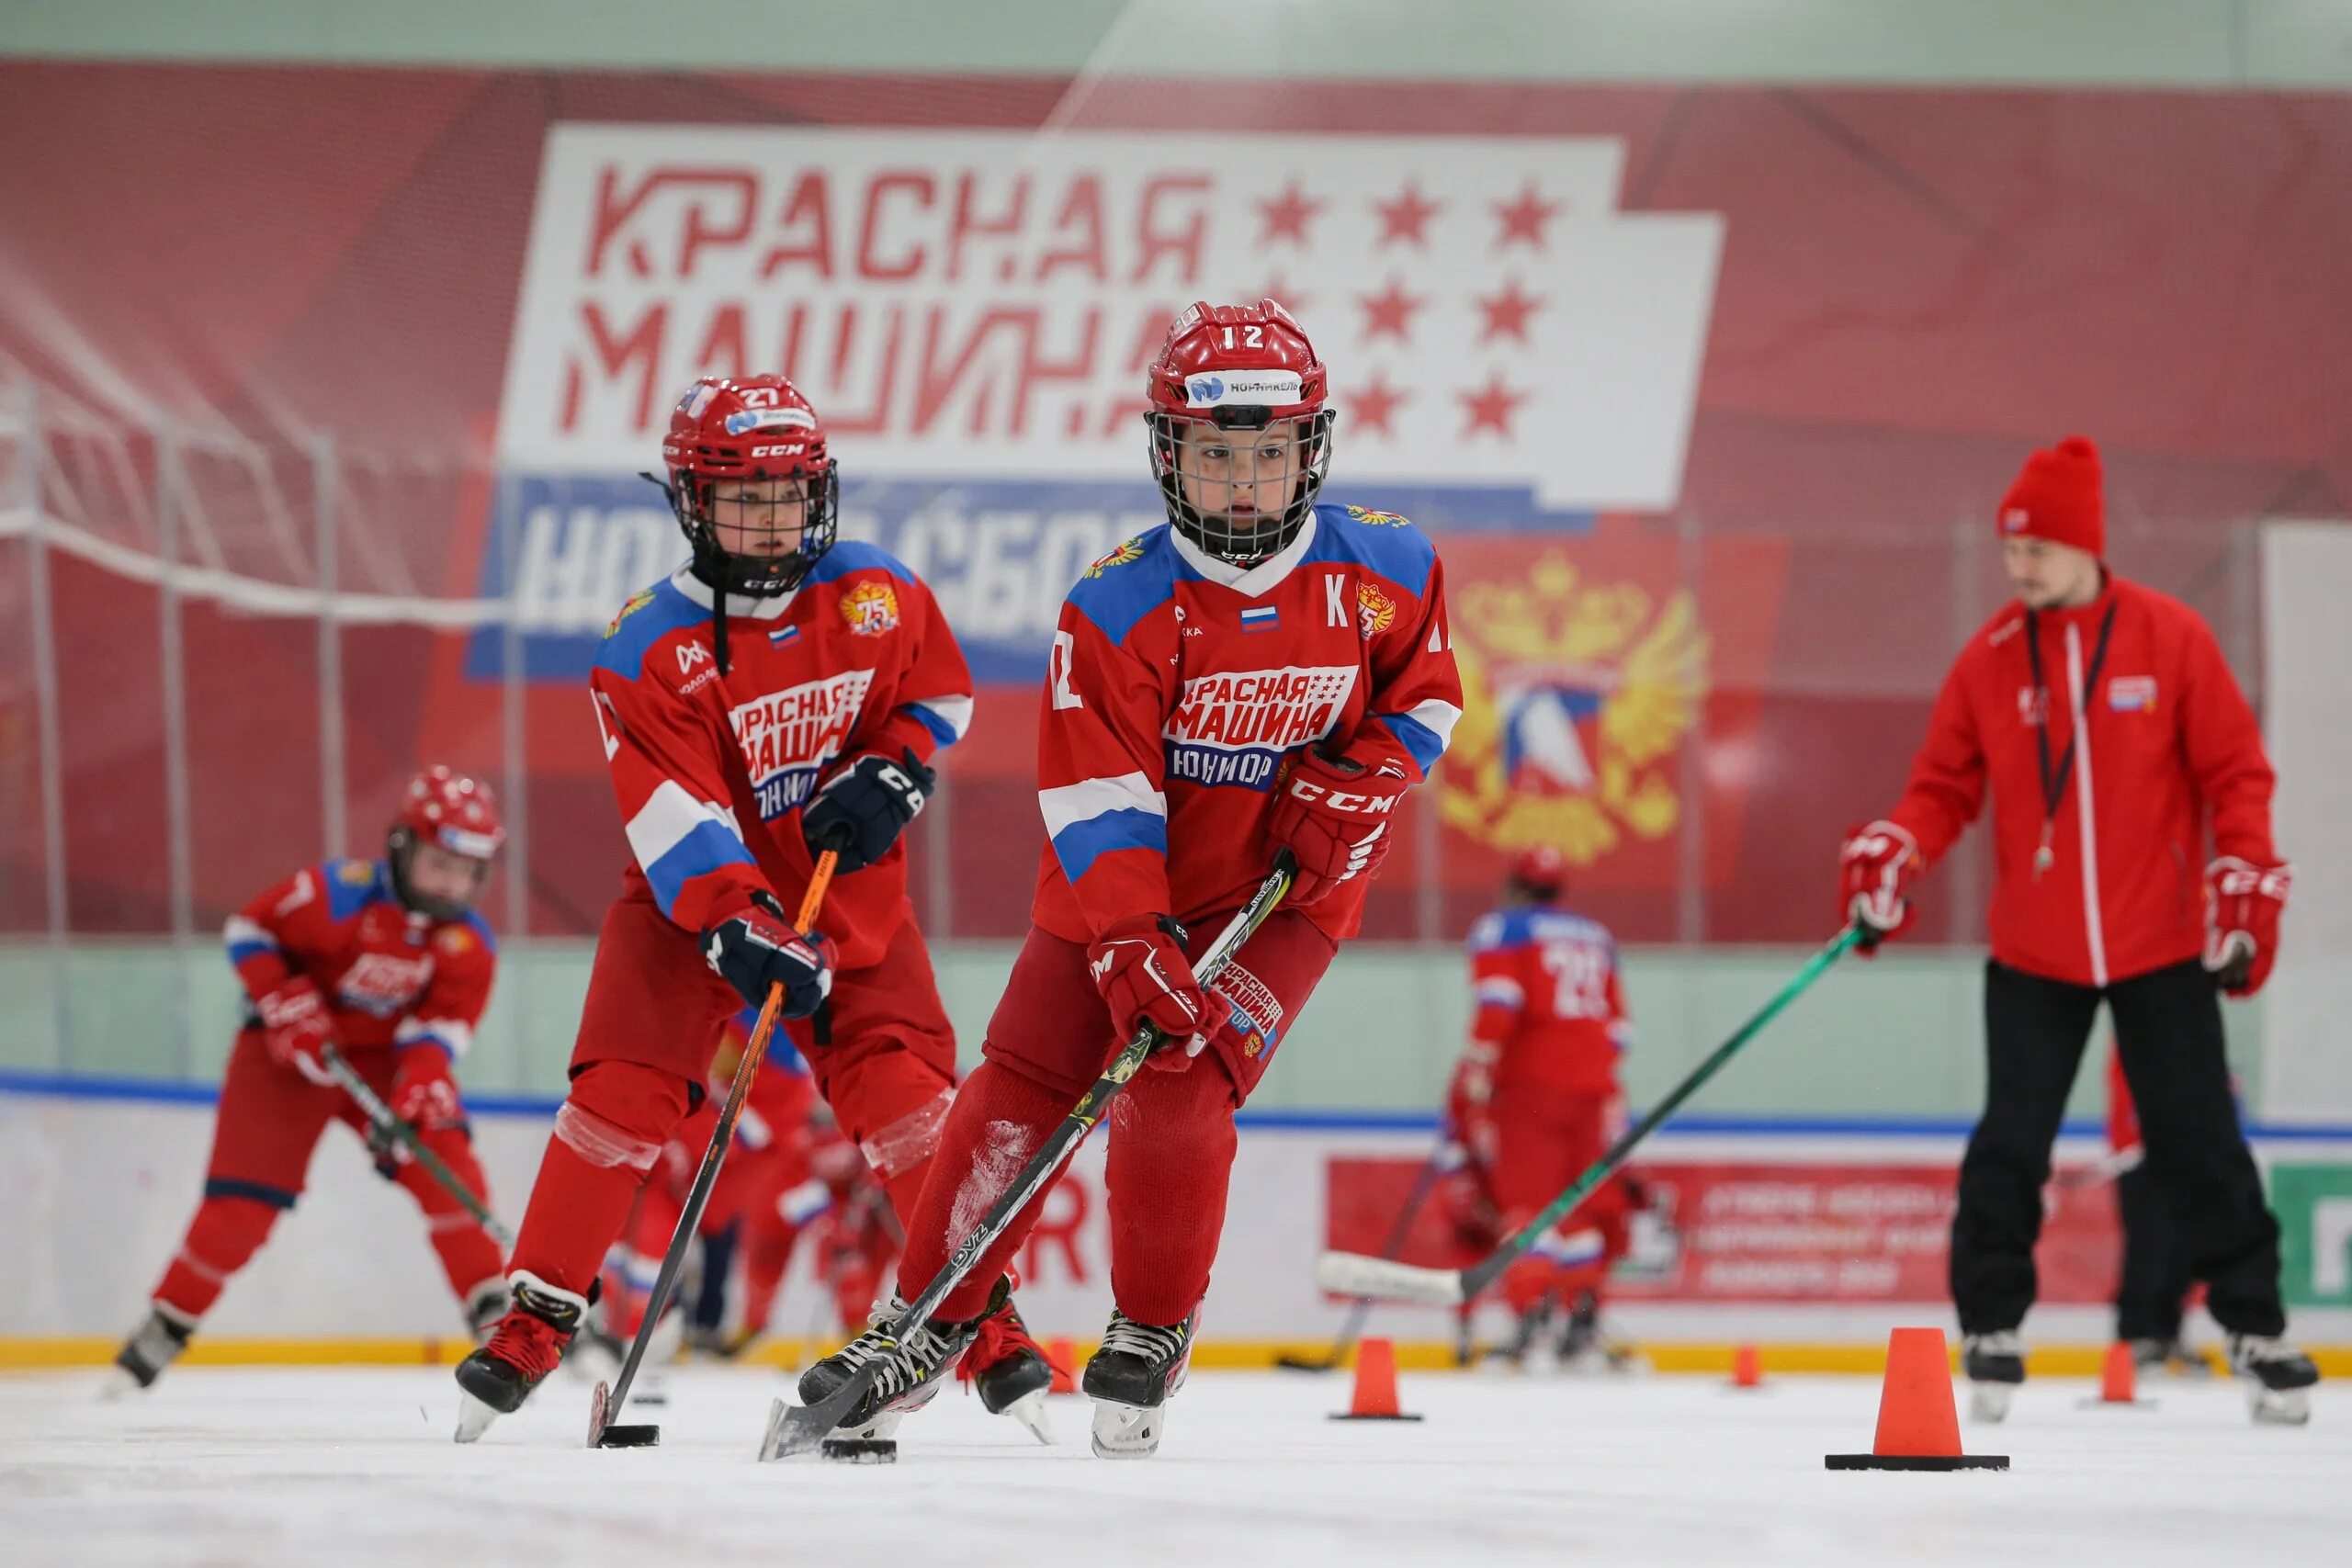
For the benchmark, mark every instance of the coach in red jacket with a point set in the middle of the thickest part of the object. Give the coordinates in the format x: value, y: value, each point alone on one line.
x: 2106, y: 724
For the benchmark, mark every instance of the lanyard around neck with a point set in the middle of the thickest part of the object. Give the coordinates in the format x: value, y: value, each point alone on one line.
x: 2053, y: 782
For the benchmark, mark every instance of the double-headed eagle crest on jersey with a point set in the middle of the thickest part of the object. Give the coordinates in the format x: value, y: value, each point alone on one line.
x: 1576, y: 698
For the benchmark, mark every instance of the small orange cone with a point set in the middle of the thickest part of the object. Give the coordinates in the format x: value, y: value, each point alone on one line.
x: 2119, y: 1382
x: 1062, y: 1356
x: 1919, y: 1424
x: 1747, y: 1367
x: 1375, y: 1393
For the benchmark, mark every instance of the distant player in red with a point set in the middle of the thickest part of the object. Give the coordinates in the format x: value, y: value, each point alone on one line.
x: 1536, y: 1094
x: 1262, y: 672
x: 781, y: 693
x: 387, y: 961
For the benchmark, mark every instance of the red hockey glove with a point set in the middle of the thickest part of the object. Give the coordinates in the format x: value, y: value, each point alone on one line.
x: 1335, y: 816
x: 754, y: 947
x: 1876, y: 864
x: 296, y: 1029
x: 1139, y: 966
x: 2243, y: 903
x: 424, y: 1096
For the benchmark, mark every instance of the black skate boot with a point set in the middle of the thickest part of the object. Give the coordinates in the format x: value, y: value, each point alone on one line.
x: 2173, y: 1356
x: 1011, y: 1371
x: 1585, y: 1349
x: 1130, y: 1379
x: 2280, y: 1378
x: 521, y: 1350
x: 910, y: 1368
x: 1996, y: 1367
x: 1529, y: 1348
x: 153, y: 1346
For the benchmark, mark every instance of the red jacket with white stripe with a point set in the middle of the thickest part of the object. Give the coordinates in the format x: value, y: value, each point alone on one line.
x: 712, y: 771
x: 2165, y: 741
x: 389, y: 975
x: 1180, y: 687
x: 1550, y: 1010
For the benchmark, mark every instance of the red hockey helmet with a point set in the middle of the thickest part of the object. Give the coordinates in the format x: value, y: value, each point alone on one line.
x: 1225, y: 370
x: 455, y: 813
x: 748, y: 455
x: 1541, y: 873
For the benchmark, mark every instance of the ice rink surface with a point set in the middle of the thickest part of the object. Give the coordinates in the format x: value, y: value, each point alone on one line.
x: 325, y: 1468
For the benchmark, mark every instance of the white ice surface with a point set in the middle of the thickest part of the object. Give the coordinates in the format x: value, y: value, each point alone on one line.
x: 327, y: 1468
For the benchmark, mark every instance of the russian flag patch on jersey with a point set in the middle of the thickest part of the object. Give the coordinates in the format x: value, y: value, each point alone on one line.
x: 2131, y: 694
x: 1262, y: 618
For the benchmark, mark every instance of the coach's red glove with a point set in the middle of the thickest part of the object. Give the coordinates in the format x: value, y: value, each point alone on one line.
x: 753, y: 946
x: 1876, y: 864
x: 1139, y: 966
x: 1335, y: 815
x: 296, y: 1029
x: 2243, y: 903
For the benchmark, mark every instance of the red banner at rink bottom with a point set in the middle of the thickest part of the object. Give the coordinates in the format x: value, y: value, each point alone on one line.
x: 1838, y: 1232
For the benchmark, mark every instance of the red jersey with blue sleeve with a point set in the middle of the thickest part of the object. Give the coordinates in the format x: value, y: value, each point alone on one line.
x: 1551, y: 1007
x: 388, y: 976
x: 1180, y: 687
x: 712, y: 771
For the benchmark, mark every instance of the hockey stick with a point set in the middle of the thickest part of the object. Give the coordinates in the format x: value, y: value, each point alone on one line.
x: 798, y: 1429
x: 1353, y: 1274
x: 1424, y: 1184
x: 601, y: 1431
x: 392, y: 1130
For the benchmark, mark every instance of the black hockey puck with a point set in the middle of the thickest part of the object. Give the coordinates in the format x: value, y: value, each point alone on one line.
x: 861, y: 1450
x: 1917, y: 1461
x: 629, y: 1437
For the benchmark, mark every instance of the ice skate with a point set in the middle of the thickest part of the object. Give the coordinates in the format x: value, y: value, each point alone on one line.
x: 1530, y: 1347
x: 1586, y: 1352
x: 1996, y: 1367
x: 521, y: 1350
x: 2173, y: 1356
x: 485, y: 1304
x: 153, y: 1346
x: 910, y: 1368
x: 1130, y: 1380
x: 2279, y: 1378
x: 1010, y: 1371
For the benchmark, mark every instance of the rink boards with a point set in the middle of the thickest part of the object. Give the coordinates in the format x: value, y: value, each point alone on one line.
x: 1810, y: 1240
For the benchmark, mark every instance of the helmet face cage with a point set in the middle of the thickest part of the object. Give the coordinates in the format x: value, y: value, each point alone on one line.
x: 695, y: 498
x: 1216, y: 469
x: 399, y: 848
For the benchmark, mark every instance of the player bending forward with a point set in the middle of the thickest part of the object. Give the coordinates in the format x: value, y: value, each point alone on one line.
x: 1535, y: 1098
x: 1263, y: 672
x: 781, y: 692
x: 386, y: 961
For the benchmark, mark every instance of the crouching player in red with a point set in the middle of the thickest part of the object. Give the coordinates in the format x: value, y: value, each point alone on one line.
x: 1535, y: 1099
x: 779, y: 692
x: 1262, y: 672
x: 387, y: 961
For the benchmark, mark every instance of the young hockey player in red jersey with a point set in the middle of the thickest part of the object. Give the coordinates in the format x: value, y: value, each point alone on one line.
x: 1262, y: 672
x: 387, y: 961
x: 1535, y: 1094
x: 781, y: 692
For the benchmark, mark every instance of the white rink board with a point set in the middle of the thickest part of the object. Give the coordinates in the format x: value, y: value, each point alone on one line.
x: 308, y: 1469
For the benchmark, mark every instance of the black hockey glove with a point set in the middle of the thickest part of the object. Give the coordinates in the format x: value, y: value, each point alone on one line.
x: 865, y: 808
x: 756, y: 947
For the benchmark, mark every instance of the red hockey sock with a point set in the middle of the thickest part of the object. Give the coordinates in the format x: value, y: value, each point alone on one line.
x: 609, y: 1133
x: 469, y: 1254
x: 1000, y: 1118
x: 226, y: 1231
x: 1169, y: 1162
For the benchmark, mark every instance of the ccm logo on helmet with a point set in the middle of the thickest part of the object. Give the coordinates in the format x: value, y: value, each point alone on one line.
x: 792, y: 451
x: 1343, y: 800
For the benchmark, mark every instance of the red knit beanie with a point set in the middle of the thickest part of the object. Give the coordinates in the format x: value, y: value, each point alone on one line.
x: 2058, y: 496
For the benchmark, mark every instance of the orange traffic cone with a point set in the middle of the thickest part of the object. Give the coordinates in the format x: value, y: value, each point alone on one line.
x: 1747, y: 1367
x: 1375, y: 1395
x: 1062, y: 1356
x: 2119, y: 1382
x: 1919, y: 1424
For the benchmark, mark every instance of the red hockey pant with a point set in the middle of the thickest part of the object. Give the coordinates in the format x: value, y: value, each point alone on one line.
x: 270, y: 1120
x: 1543, y: 1142
x: 1171, y: 1137
x: 653, y: 1018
